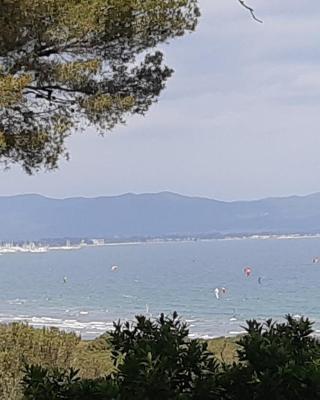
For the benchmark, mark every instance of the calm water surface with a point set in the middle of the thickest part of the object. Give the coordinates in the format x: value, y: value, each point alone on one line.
x: 163, y: 277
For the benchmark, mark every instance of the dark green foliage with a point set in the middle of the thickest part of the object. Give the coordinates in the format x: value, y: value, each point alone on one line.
x: 156, y: 360
x: 152, y: 359
x: 42, y: 384
x: 278, y: 361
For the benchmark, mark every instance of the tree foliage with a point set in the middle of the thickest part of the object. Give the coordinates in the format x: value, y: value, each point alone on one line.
x: 66, y: 64
x: 156, y: 360
x: 279, y: 361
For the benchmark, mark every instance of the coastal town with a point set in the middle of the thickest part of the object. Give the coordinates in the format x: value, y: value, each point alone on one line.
x: 38, y: 247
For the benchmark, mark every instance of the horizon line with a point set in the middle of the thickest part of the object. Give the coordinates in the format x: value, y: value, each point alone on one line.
x: 163, y: 192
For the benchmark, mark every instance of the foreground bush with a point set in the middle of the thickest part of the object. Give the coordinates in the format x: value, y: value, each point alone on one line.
x: 156, y: 360
x: 278, y: 361
x: 50, y: 348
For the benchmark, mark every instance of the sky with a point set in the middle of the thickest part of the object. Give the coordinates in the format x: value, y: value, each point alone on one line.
x: 239, y: 119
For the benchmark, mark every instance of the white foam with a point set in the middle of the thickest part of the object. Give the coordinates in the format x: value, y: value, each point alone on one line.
x: 17, y: 301
x: 206, y: 337
x: 237, y: 332
x: 83, y: 328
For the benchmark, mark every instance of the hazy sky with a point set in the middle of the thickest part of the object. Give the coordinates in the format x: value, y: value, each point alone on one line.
x: 239, y: 120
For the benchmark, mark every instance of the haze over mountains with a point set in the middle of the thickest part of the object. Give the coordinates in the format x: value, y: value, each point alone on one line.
x: 34, y: 217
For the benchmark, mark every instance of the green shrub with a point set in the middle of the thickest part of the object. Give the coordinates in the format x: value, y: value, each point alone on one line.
x: 278, y: 361
x: 43, y: 384
x: 21, y: 344
x: 156, y: 360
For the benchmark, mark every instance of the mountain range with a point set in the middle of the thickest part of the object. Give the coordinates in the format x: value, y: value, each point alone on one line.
x: 35, y: 217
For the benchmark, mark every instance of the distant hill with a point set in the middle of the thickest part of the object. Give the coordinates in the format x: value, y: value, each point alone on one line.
x: 34, y: 217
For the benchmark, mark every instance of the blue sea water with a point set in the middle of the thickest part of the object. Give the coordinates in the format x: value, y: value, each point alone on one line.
x: 163, y: 277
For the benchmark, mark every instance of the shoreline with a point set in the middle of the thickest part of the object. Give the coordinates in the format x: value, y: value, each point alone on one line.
x: 91, y: 329
x: 44, y: 248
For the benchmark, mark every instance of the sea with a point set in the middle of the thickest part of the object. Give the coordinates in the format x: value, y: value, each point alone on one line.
x: 79, y: 291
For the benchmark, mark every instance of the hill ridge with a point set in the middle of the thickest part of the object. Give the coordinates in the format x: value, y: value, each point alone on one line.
x: 33, y: 216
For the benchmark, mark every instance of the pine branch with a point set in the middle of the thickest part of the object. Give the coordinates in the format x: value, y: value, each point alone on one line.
x: 251, y: 10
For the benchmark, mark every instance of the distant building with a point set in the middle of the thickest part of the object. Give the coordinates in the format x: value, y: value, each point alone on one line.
x: 98, y: 242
